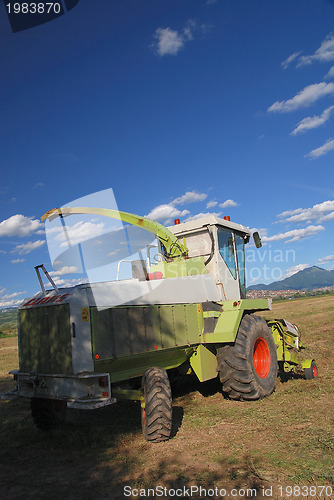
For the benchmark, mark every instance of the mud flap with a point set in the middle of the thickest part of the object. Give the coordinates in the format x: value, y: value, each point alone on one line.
x: 204, y: 363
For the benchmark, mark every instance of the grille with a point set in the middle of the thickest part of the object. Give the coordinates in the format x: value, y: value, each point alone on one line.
x: 45, y: 339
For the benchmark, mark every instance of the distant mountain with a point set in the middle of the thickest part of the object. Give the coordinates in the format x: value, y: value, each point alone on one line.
x: 308, y: 279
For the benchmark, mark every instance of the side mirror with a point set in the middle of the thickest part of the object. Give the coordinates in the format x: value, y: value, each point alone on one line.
x: 257, y: 240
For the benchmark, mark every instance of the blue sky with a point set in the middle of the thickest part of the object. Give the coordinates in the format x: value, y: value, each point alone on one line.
x: 182, y: 107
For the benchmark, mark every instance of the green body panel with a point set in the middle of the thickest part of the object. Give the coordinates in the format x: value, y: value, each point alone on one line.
x: 126, y: 331
x: 291, y: 358
x: 228, y: 320
x: 286, y: 342
x: 128, y: 340
x: 128, y: 394
x: 307, y: 363
x: 134, y: 366
x: 45, y: 339
x: 204, y: 363
x: 186, y: 267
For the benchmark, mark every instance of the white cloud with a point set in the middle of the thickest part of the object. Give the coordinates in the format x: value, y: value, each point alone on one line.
x: 10, y: 300
x: 290, y: 59
x: 166, y: 213
x: 294, y: 235
x: 211, y: 204
x: 330, y: 73
x: 322, y: 150
x: 202, y: 214
x: 206, y: 28
x: 11, y: 295
x: 168, y: 41
x: 10, y: 303
x: 304, y: 98
x: 327, y: 217
x: 263, y: 231
x: 188, y: 31
x: 64, y: 270
x: 26, y: 248
x: 318, y: 211
x: 228, y: 203
x: 295, y: 269
x: 68, y: 283
x: 169, y: 211
x: 17, y: 261
x: 19, y: 225
x: 189, y: 197
x: 80, y: 231
x: 326, y: 259
x: 325, y: 53
x: 313, y: 121
x: 171, y: 42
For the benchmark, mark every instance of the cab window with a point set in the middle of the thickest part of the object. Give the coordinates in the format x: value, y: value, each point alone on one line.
x: 240, y: 246
x: 226, y: 249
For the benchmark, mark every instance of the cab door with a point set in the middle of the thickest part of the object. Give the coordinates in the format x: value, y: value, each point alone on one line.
x: 231, y: 263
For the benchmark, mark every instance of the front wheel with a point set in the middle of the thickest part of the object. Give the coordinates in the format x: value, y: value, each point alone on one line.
x: 248, y: 368
x: 311, y: 372
x: 157, y: 405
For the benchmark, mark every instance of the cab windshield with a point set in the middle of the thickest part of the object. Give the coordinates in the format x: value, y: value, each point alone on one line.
x: 232, y: 250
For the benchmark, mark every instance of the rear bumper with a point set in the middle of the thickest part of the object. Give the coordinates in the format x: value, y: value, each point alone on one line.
x: 83, y: 390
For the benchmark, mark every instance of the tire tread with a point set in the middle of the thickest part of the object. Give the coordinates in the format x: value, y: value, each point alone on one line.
x: 235, y: 362
x: 158, y: 405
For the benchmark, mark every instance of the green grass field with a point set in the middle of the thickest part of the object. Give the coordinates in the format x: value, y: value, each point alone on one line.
x: 280, y: 447
x: 8, y: 323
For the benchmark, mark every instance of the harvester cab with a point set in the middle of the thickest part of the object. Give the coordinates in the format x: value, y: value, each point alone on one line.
x: 220, y: 244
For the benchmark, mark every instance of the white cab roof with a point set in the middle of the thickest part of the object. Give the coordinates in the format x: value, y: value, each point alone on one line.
x: 208, y: 220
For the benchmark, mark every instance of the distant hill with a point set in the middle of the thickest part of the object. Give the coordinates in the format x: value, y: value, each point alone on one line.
x: 8, y: 316
x: 308, y: 279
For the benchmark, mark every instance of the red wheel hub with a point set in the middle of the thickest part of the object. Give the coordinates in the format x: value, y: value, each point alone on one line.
x: 261, y: 358
x: 314, y: 371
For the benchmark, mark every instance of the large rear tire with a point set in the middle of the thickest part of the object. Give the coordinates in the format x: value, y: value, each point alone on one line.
x: 48, y: 413
x: 157, y: 413
x: 248, y: 368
